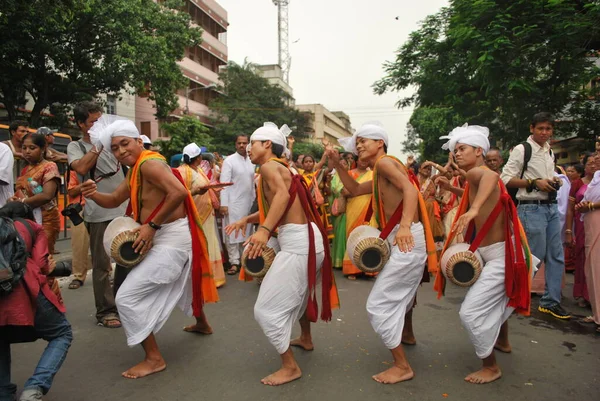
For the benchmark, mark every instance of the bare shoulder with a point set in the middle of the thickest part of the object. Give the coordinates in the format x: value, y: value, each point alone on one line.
x: 155, y: 169
x: 475, y: 175
x: 389, y: 166
x: 272, y: 170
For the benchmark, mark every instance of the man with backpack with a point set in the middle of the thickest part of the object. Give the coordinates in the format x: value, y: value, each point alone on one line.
x: 530, y: 169
x: 28, y: 308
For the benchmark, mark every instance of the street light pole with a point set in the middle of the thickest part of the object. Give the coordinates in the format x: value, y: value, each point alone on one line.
x: 190, y: 90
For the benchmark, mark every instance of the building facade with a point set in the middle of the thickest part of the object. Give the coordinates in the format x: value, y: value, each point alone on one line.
x: 200, y: 66
x: 326, y: 124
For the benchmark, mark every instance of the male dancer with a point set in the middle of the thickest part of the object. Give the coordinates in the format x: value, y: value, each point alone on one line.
x: 289, y: 289
x: 391, y: 298
x: 503, y: 285
x: 170, y: 233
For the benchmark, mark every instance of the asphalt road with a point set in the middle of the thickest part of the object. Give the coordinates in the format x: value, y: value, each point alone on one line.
x: 551, y: 360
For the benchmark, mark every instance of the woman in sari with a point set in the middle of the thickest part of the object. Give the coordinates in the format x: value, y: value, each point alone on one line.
x: 337, y: 201
x: 428, y: 190
x: 196, y: 181
x: 575, y: 174
x: 315, y: 176
x: 356, y: 212
x: 37, y: 186
x: 575, y: 231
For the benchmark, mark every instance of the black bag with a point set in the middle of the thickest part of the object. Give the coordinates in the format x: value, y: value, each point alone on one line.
x: 13, y: 254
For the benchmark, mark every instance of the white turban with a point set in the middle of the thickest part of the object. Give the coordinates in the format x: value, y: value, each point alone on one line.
x: 109, y: 126
x: 270, y: 132
x: 371, y: 130
x: 473, y: 135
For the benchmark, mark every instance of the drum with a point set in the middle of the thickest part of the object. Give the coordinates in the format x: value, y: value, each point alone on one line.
x: 461, y: 266
x: 258, y: 267
x: 118, y: 242
x: 366, y: 250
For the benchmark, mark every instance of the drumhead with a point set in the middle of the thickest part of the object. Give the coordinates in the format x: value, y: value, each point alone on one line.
x: 371, y: 258
x: 255, y: 265
x: 463, y: 272
x: 126, y: 251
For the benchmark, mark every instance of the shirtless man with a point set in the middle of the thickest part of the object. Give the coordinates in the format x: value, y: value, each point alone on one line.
x: 162, y: 280
x: 288, y: 290
x: 392, y: 296
x: 487, y: 306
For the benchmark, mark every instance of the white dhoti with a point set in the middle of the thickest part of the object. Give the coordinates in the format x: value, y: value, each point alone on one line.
x: 160, y: 282
x: 395, y: 288
x: 485, y: 307
x: 283, y: 294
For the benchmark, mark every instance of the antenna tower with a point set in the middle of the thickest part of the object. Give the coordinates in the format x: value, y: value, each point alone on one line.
x: 285, y: 60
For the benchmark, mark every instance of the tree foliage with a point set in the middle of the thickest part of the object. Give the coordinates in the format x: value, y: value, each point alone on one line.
x: 64, y: 51
x: 496, y: 63
x: 250, y: 100
x: 181, y: 133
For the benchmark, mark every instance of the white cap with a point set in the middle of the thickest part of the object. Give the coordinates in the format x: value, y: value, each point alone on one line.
x: 146, y: 140
x: 192, y: 150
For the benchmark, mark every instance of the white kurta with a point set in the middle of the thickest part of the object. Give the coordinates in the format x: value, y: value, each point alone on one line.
x: 485, y: 307
x: 562, y: 199
x: 283, y: 294
x: 239, y: 197
x: 158, y: 284
x: 395, y: 288
x: 7, y: 183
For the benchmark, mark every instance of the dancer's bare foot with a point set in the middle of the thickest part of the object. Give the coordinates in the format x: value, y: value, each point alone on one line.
x: 503, y: 346
x: 199, y: 328
x: 282, y: 376
x: 485, y: 375
x: 305, y: 343
x: 395, y: 374
x: 145, y: 368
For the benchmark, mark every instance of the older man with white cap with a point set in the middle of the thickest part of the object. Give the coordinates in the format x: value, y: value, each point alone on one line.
x: 52, y: 154
x: 396, y: 204
x: 503, y: 286
x: 288, y: 291
x: 146, y: 142
x: 170, y: 235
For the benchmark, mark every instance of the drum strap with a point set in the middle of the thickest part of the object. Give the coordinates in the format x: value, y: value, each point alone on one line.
x: 152, y: 215
x: 395, y: 219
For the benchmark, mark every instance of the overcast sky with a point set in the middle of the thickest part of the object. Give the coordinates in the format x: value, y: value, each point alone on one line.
x: 340, y: 47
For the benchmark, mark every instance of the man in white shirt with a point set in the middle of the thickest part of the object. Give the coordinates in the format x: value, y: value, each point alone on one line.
x: 537, y: 206
x: 7, y: 183
x: 237, y: 199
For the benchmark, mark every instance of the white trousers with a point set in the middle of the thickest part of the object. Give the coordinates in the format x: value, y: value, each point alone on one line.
x: 395, y: 288
x: 283, y: 294
x: 158, y: 284
x: 485, y: 307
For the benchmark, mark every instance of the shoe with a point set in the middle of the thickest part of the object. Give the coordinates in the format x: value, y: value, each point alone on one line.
x: 557, y: 311
x: 31, y: 394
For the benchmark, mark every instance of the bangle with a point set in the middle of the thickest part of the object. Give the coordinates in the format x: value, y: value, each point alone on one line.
x: 266, y: 228
x: 568, y: 231
x: 591, y: 205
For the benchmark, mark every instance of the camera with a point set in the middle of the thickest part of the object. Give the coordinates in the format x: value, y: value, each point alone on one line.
x: 72, y: 212
x: 62, y: 269
x: 552, y: 195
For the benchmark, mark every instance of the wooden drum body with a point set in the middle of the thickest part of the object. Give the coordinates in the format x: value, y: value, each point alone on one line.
x: 461, y: 266
x: 366, y: 250
x: 258, y: 267
x: 118, y: 242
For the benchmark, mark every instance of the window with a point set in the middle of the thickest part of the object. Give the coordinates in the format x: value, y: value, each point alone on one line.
x: 111, y: 104
x: 146, y: 128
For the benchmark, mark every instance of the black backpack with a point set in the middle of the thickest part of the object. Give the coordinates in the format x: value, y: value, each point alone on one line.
x: 13, y: 254
x: 526, y: 158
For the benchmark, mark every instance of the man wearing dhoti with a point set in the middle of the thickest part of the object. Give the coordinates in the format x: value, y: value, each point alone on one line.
x: 237, y: 199
x: 503, y: 286
x: 396, y: 202
x: 288, y: 290
x: 170, y: 234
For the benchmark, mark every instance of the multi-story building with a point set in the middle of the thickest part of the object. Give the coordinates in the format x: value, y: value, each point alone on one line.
x: 274, y: 74
x: 326, y: 124
x: 200, y: 66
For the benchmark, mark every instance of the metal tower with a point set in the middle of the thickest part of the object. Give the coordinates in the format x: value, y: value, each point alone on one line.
x: 285, y: 60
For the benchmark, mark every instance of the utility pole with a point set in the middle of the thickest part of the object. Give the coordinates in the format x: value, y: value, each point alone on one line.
x: 285, y: 59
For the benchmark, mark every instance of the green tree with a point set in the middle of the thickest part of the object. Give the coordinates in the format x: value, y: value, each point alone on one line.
x: 249, y: 101
x: 308, y: 148
x: 496, y: 63
x: 63, y: 51
x: 181, y: 133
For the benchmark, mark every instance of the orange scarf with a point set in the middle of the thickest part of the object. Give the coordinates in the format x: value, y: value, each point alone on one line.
x: 377, y: 205
x: 518, y: 256
x: 203, y: 284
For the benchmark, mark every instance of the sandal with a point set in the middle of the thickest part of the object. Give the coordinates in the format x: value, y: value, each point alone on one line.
x: 588, y: 319
x: 234, y: 269
x: 110, y: 322
x: 75, y: 284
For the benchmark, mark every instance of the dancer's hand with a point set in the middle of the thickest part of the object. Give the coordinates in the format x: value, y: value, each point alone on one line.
x: 463, y: 221
x: 238, y: 227
x: 404, y: 239
x: 143, y: 241
x: 443, y: 182
x: 334, y: 156
x: 257, y: 242
x: 89, y: 188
